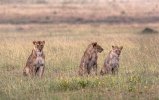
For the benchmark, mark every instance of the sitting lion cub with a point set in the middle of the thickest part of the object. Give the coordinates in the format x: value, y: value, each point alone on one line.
x: 36, y: 62
x: 89, y: 59
x: 111, y: 63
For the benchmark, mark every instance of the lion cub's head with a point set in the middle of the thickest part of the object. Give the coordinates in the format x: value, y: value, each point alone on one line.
x: 97, y: 47
x: 39, y: 45
x: 117, y: 50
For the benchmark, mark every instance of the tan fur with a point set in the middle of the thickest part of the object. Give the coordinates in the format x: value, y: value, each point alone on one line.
x: 36, y: 62
x: 89, y: 59
x: 111, y: 63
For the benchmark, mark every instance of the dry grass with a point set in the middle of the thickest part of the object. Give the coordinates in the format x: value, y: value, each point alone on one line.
x: 65, y: 44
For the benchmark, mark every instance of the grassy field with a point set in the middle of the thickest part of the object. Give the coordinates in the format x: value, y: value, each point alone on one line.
x: 65, y: 44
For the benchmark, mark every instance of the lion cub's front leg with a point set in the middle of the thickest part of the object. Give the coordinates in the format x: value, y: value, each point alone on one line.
x: 40, y: 71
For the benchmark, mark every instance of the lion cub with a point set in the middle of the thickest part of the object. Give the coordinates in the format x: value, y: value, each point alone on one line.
x: 89, y: 59
x: 111, y: 63
x: 36, y: 62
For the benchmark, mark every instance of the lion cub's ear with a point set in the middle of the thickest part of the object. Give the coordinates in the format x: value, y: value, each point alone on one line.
x: 94, y: 44
x: 113, y: 46
x: 43, y: 42
x: 121, y: 47
x: 34, y: 42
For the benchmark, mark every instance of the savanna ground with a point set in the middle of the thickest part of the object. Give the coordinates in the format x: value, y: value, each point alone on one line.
x: 65, y: 44
x: 67, y: 30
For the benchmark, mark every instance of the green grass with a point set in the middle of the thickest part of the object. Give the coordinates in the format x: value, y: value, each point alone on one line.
x: 65, y: 44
